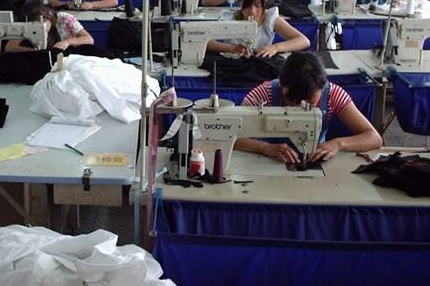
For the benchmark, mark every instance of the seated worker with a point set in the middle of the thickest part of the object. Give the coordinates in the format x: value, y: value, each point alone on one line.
x: 269, y: 23
x: 64, y: 29
x: 303, y: 78
x: 87, y: 5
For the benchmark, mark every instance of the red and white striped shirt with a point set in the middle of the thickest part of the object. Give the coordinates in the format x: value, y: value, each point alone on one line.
x: 338, y: 98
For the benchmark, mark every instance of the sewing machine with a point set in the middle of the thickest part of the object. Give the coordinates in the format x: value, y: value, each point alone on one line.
x: 339, y: 6
x: 219, y: 130
x: 406, y: 39
x: 193, y: 37
x: 35, y: 32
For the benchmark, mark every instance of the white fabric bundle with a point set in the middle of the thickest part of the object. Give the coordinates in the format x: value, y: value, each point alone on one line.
x: 85, y: 86
x: 38, y: 256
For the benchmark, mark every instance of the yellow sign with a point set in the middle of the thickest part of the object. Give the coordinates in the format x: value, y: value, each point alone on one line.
x: 106, y: 159
x: 12, y: 152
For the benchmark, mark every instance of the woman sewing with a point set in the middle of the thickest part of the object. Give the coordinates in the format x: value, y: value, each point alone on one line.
x: 303, y: 78
x: 63, y: 29
x: 269, y: 22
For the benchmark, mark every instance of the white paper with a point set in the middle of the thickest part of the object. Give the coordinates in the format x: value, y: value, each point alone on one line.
x: 54, y: 135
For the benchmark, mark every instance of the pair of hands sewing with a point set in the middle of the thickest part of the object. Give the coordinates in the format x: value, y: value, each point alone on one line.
x: 265, y: 52
x: 284, y: 153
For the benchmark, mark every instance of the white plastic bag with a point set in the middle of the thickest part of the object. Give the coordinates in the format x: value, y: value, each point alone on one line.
x: 38, y: 256
x: 87, y: 85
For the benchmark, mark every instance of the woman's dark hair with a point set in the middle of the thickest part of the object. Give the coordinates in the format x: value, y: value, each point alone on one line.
x: 302, y: 74
x: 34, y: 10
x: 246, y: 4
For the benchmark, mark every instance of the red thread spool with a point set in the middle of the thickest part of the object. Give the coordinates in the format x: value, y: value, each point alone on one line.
x: 197, y: 162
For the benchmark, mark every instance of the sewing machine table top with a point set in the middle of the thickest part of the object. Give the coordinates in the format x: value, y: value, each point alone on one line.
x: 338, y: 187
x: 347, y: 62
x: 202, y: 14
x: 373, y: 63
x: 97, y: 15
x: 63, y: 166
x: 358, y: 14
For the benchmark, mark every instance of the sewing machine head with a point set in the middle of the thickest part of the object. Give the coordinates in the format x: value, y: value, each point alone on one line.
x: 195, y: 36
x: 219, y: 130
x: 346, y: 7
x: 405, y: 44
x: 35, y: 32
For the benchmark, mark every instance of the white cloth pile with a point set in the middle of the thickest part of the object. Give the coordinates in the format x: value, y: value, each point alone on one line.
x: 84, y: 86
x: 38, y: 256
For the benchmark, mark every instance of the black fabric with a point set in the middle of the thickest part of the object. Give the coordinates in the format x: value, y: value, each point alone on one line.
x: 125, y: 36
x: 26, y: 67
x: 29, y: 67
x: 290, y: 8
x: 4, y: 108
x: 408, y: 173
x: 11, y: 5
x: 2, y: 45
x: 327, y: 60
x: 87, y: 50
x: 243, y: 72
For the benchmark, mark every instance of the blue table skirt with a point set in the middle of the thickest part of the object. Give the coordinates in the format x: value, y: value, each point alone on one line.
x: 362, y: 34
x: 412, y: 101
x: 201, y: 243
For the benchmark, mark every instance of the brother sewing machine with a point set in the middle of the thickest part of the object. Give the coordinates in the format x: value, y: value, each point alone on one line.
x: 220, y: 129
x: 405, y: 41
x: 35, y: 32
x: 189, y: 43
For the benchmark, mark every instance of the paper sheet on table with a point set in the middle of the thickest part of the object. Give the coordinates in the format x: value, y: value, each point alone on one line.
x: 264, y: 166
x: 53, y: 134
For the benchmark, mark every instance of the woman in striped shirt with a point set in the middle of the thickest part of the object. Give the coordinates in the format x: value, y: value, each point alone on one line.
x: 303, y: 78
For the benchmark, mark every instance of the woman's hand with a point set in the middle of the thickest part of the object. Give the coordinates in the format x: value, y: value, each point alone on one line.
x: 69, y: 5
x: 282, y: 152
x: 266, y: 52
x: 62, y: 45
x: 326, y: 150
x: 241, y: 50
x: 87, y: 6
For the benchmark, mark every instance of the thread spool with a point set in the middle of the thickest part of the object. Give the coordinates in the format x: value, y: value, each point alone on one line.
x: 129, y: 8
x: 166, y: 7
x: 184, y: 7
x: 410, y: 8
x: 197, y: 163
x: 218, y: 172
x: 214, y: 101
